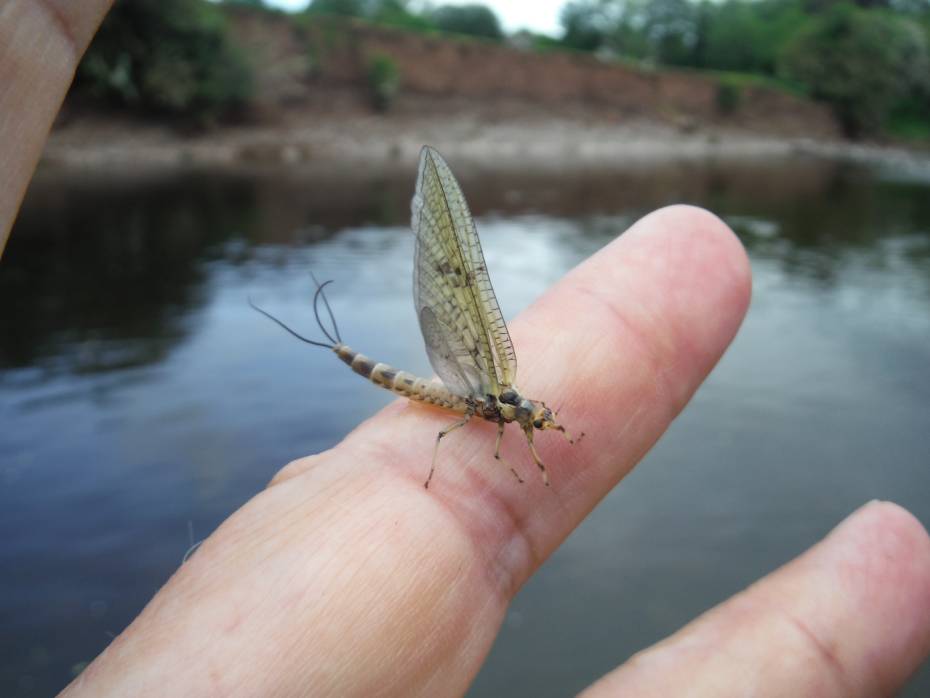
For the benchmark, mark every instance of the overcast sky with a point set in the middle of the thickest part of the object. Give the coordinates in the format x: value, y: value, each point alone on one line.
x: 539, y: 15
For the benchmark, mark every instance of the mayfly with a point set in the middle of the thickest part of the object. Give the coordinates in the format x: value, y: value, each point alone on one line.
x: 467, y: 341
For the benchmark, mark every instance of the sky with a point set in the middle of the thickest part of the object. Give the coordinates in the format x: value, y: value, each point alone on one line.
x: 540, y: 16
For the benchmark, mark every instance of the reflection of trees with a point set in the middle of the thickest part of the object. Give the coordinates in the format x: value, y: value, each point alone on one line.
x: 846, y: 219
x: 99, y: 274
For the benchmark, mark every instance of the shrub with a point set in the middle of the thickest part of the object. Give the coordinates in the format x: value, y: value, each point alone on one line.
x: 473, y: 20
x: 383, y: 80
x: 344, y: 8
x: 729, y: 96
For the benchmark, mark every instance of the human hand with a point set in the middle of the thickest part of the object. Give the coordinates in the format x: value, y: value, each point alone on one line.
x: 346, y: 577
x: 41, y: 42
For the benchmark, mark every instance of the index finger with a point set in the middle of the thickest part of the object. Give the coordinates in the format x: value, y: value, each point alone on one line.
x: 621, y: 343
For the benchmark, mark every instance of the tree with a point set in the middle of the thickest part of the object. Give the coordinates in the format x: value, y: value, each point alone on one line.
x: 168, y: 56
x: 671, y: 27
x: 587, y: 23
x: 909, y: 6
x: 662, y: 30
x: 345, y: 8
x: 474, y: 20
x: 860, y: 61
x: 257, y: 4
x: 397, y: 13
x: 748, y: 36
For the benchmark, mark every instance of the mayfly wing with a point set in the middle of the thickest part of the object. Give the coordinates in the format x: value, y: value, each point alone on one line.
x: 451, y: 281
x: 462, y: 378
x: 448, y: 327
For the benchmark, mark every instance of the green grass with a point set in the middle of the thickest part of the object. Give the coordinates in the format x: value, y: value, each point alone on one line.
x: 909, y: 126
x: 743, y: 80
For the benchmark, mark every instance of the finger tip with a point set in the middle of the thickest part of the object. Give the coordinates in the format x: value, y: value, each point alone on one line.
x: 693, y: 278
x: 711, y: 249
x: 881, y: 558
x: 640, y: 324
x: 891, y: 547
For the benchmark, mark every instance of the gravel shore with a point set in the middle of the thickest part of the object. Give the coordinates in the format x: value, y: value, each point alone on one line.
x: 385, y: 143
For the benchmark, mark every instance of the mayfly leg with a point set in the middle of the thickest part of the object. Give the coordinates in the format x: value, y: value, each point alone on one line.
x: 497, y: 452
x: 529, y: 440
x: 568, y: 437
x: 561, y: 429
x: 452, y: 427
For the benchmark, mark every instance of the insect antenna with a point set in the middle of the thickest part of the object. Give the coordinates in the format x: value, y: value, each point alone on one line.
x: 288, y: 329
x: 332, y: 318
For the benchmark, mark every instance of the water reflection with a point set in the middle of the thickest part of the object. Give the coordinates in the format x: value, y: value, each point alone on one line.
x: 140, y: 394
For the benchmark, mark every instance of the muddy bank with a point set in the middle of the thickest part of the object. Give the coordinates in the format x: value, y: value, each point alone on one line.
x: 488, y: 140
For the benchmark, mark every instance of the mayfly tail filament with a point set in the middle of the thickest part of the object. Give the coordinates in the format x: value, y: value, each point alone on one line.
x: 332, y: 318
x: 316, y: 312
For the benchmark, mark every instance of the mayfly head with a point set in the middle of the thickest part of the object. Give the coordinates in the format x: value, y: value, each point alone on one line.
x: 543, y: 418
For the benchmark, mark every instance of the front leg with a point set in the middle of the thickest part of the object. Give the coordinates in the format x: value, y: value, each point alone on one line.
x: 568, y: 437
x: 529, y: 439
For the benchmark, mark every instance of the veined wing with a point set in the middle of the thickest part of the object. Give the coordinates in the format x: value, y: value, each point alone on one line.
x: 459, y: 315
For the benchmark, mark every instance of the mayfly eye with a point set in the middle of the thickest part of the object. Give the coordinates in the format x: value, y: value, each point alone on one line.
x: 538, y: 424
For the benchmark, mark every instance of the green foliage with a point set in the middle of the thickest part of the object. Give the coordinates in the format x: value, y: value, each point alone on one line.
x: 905, y: 6
x: 748, y: 36
x: 473, y: 20
x: 255, y: 4
x: 540, y: 42
x: 862, y: 62
x: 660, y: 30
x: 390, y: 13
x: 671, y: 28
x: 383, y: 80
x: 169, y: 56
x: 586, y: 24
x: 910, y: 120
x: 396, y: 13
x: 729, y: 96
x: 869, y: 58
x: 344, y: 8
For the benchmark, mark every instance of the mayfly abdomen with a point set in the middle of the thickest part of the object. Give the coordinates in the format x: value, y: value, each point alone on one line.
x: 401, y: 382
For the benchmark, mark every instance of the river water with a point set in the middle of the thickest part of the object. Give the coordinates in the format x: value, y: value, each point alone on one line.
x: 142, y: 401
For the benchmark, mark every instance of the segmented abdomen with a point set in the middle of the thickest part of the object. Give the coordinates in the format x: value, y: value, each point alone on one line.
x: 401, y: 382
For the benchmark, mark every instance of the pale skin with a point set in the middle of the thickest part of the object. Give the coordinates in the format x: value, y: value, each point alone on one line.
x: 345, y: 577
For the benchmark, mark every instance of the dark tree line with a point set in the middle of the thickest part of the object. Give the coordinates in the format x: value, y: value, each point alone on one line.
x: 473, y: 19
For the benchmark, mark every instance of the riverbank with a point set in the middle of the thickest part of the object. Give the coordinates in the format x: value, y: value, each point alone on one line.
x: 505, y: 137
x: 491, y: 105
